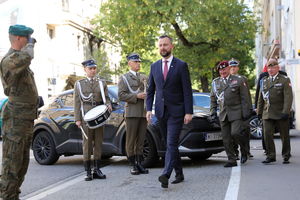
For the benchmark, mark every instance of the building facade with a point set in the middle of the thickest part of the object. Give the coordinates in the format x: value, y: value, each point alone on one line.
x: 64, y: 37
x: 280, y: 38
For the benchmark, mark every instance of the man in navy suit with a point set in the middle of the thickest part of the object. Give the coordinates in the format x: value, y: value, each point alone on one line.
x: 169, y: 80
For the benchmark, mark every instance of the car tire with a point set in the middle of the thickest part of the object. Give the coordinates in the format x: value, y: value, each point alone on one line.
x: 256, y: 128
x: 200, y: 157
x: 44, y: 149
x: 149, y: 152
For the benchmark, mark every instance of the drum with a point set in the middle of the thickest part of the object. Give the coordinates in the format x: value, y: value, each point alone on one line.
x: 97, y: 116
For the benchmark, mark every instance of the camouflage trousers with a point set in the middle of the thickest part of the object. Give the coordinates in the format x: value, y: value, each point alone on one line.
x: 17, y: 136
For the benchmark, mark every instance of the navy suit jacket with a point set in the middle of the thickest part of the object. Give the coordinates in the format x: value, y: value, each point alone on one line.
x: 175, y: 93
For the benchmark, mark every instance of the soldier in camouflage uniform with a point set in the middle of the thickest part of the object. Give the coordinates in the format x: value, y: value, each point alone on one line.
x: 274, y: 106
x: 132, y: 87
x: 230, y: 93
x: 20, y: 111
x: 88, y: 95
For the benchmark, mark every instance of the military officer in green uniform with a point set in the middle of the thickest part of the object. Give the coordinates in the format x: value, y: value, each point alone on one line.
x: 132, y: 87
x: 274, y: 106
x: 230, y: 93
x: 21, y: 110
x: 234, y: 70
x: 89, y: 93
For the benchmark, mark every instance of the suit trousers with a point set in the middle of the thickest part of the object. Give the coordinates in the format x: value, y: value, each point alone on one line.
x: 269, y: 130
x: 171, y: 126
x: 231, y: 130
x: 136, y: 128
x: 92, y: 145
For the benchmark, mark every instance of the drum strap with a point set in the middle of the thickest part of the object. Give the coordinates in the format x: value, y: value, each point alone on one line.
x: 129, y: 88
x: 102, y: 91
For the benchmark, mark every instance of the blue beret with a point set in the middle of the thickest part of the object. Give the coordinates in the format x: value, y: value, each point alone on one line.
x: 20, y: 30
x: 233, y: 62
x: 89, y: 63
x: 134, y: 57
x: 223, y: 64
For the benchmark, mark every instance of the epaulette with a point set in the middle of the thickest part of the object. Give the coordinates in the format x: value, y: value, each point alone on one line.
x: 217, y: 78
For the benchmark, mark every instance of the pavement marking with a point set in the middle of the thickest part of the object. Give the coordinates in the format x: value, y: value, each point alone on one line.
x: 60, y: 185
x: 234, y: 183
x: 42, y: 193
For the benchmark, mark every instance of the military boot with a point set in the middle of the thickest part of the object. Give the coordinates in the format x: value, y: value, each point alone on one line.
x: 142, y: 170
x: 134, y: 170
x: 87, y: 167
x: 97, y: 172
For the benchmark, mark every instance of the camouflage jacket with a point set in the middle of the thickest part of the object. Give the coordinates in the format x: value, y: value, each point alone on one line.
x: 19, y: 84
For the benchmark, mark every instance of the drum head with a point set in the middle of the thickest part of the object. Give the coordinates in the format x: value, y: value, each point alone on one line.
x: 95, y: 112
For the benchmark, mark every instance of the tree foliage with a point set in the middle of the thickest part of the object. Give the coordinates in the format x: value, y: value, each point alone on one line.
x: 204, y: 32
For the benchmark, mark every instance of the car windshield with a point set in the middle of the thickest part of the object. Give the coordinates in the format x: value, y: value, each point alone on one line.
x: 201, y: 99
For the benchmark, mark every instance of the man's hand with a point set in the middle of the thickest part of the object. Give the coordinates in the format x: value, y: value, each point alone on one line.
x: 284, y: 116
x: 78, y: 123
x: 188, y: 118
x: 213, y: 118
x: 141, y: 95
x: 109, y: 108
x: 149, y: 116
x: 31, y: 40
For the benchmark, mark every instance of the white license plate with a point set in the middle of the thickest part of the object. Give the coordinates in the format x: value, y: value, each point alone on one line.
x: 213, y: 136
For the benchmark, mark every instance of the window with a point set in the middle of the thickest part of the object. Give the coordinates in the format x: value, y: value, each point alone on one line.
x: 51, y: 31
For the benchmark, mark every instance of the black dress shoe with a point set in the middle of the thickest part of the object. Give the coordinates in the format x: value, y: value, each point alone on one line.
x: 269, y: 160
x: 286, y: 161
x: 250, y: 155
x: 244, y: 159
x: 230, y: 164
x: 164, y: 180
x: 178, y: 178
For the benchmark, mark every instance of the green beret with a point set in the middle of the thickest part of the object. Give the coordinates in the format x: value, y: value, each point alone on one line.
x: 20, y: 30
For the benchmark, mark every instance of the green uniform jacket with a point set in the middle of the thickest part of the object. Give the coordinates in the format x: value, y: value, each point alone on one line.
x: 280, y: 97
x: 18, y: 81
x: 134, y: 107
x: 235, y: 101
x: 88, y: 88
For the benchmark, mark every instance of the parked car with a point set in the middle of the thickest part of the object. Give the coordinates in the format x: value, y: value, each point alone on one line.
x: 56, y: 134
x: 256, y: 126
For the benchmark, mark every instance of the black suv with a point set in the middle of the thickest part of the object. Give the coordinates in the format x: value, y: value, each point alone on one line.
x: 56, y: 134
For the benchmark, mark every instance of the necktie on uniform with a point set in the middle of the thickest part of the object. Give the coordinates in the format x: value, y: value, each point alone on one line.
x: 165, y: 69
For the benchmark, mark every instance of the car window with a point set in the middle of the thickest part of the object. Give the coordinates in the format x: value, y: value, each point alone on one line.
x: 67, y: 100
x: 201, y: 100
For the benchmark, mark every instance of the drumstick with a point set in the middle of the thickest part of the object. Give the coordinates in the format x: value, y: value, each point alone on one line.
x: 84, y: 134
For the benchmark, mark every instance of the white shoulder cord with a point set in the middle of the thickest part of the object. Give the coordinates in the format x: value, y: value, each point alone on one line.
x: 129, y: 88
x: 83, y: 97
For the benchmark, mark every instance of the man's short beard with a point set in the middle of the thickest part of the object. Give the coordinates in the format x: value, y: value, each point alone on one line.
x: 167, y: 54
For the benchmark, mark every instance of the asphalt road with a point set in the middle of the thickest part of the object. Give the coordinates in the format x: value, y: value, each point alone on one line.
x: 207, y: 180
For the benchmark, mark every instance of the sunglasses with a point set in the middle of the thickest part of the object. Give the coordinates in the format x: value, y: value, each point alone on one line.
x: 273, y: 64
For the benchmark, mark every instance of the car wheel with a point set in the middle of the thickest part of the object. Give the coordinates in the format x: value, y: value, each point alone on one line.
x: 44, y: 149
x: 256, y: 128
x: 149, y: 152
x: 200, y: 157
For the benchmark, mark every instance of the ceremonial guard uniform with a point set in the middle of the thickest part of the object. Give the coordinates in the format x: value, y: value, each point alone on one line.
x: 230, y: 93
x: 274, y: 106
x: 87, y: 96
x: 234, y: 64
x: 21, y: 110
x: 131, y: 86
